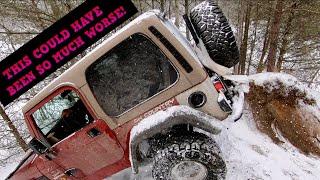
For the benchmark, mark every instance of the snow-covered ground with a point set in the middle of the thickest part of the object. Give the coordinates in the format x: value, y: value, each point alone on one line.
x: 249, y: 154
x: 6, y: 170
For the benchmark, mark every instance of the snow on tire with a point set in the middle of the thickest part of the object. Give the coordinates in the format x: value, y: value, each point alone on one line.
x: 189, y: 157
x: 214, y: 30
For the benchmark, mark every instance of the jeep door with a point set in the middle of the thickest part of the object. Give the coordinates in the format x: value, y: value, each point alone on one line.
x: 82, y: 144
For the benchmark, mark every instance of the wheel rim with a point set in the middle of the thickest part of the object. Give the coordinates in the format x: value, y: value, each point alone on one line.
x: 189, y: 170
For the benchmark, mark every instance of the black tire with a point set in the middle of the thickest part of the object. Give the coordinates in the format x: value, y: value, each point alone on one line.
x: 213, y: 28
x: 195, y: 148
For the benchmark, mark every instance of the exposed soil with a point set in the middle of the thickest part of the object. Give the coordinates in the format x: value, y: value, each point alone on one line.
x: 277, y: 112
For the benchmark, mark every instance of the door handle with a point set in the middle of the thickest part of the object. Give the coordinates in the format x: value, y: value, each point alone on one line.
x: 50, y: 154
x: 93, y: 132
x: 74, y: 172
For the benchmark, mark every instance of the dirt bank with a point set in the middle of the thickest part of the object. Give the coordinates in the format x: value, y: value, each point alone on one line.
x: 280, y: 113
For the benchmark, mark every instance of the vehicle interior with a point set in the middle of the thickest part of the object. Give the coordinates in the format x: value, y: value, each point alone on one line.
x: 61, y: 116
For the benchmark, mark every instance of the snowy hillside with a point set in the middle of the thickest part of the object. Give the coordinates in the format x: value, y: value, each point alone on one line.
x: 6, y: 170
x: 251, y: 154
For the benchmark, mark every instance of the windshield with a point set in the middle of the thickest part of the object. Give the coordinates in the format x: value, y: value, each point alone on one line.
x: 128, y: 74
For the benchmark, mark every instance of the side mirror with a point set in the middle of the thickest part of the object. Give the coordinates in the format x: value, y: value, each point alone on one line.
x: 37, y: 146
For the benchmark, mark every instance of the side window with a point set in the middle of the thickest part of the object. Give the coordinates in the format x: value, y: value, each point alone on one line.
x: 63, y: 115
x: 130, y: 73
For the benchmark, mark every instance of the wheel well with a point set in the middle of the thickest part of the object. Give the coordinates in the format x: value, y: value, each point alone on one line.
x: 158, y: 141
x: 159, y: 125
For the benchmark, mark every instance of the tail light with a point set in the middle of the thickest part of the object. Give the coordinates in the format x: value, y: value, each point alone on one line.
x: 218, y: 85
x: 223, y: 101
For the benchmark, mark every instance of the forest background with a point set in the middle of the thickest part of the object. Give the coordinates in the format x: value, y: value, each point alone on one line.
x: 272, y: 35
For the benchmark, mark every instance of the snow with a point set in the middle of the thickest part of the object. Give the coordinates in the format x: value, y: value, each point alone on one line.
x: 249, y: 154
x: 270, y: 80
x: 238, y: 103
x: 271, y: 77
x: 161, y: 116
x: 288, y: 81
x: 6, y: 170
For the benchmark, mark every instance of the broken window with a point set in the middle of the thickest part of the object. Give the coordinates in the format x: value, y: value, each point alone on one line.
x: 130, y: 73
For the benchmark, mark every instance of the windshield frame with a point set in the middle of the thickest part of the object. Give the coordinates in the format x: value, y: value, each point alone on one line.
x: 35, y: 131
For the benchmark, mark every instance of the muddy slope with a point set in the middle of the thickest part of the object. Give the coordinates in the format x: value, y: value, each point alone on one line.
x: 278, y: 113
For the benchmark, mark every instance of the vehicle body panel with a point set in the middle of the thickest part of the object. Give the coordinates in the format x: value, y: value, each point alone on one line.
x: 86, y: 153
x: 108, y: 153
x: 28, y: 169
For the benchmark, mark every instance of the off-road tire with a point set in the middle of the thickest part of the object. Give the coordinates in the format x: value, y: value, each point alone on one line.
x: 195, y: 147
x: 214, y: 30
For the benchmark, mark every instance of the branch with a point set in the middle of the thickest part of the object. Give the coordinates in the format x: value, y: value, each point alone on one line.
x: 12, y: 33
x: 307, y: 10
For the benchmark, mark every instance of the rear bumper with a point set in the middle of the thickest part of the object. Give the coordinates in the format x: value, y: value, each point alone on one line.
x: 237, y: 107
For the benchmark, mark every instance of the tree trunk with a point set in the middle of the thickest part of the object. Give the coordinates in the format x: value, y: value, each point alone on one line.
x: 176, y: 13
x: 186, y: 8
x: 140, y: 6
x: 244, y: 44
x: 169, y: 9
x: 253, y: 42
x: 152, y: 4
x: 240, y: 23
x: 285, y: 38
x: 239, y: 32
x: 274, y: 35
x: 162, y: 5
x: 13, y: 130
x: 264, y: 48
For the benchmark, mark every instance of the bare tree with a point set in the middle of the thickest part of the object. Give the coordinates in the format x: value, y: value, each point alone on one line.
x: 274, y: 35
x: 176, y: 12
x: 244, y: 44
x: 285, y: 40
x: 13, y: 130
x: 265, y: 47
x: 186, y: 10
x: 253, y: 41
x: 162, y: 5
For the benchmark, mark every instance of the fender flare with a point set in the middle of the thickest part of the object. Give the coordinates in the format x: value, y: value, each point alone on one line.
x: 164, y: 120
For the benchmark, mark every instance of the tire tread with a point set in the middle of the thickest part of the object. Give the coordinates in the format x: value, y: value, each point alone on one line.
x: 213, y: 28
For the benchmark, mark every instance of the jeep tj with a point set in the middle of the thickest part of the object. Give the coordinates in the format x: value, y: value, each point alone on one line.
x: 107, y: 112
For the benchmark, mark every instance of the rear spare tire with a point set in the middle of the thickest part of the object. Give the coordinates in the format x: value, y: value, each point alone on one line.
x: 214, y: 30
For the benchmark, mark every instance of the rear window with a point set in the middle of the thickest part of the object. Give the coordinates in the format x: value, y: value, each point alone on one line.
x: 128, y: 74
